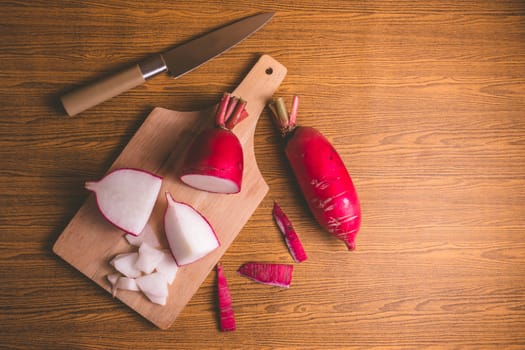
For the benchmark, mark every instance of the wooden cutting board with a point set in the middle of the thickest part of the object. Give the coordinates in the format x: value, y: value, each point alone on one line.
x: 89, y: 242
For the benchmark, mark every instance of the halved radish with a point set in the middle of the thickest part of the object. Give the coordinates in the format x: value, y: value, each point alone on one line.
x: 126, y: 197
x: 215, y: 161
x: 189, y: 234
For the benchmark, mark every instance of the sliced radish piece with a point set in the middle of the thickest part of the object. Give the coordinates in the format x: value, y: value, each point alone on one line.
x: 168, y: 267
x: 113, y: 279
x: 147, y: 235
x: 227, y: 317
x: 189, y: 234
x: 154, y: 286
x: 272, y: 274
x: 126, y: 197
x: 127, y: 283
x: 149, y: 258
x: 161, y: 300
x: 290, y: 236
x: 126, y: 264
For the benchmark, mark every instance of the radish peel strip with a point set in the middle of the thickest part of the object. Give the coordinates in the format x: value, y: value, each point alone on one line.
x: 290, y: 236
x: 279, y: 275
x: 226, y: 314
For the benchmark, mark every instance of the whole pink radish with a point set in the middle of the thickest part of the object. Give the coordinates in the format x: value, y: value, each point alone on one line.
x: 215, y: 160
x: 321, y: 175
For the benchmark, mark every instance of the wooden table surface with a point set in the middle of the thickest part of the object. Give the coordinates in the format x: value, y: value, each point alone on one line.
x: 424, y: 101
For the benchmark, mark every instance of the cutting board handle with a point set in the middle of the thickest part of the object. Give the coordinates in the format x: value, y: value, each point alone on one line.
x: 258, y: 87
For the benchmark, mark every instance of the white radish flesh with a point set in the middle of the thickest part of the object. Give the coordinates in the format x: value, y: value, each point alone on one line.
x: 189, y: 234
x: 149, y: 258
x: 127, y: 283
x: 126, y: 264
x: 168, y: 267
x: 126, y: 197
x: 147, y: 235
x: 154, y: 286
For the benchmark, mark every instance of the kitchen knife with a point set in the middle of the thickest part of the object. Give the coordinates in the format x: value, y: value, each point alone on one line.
x: 177, y: 62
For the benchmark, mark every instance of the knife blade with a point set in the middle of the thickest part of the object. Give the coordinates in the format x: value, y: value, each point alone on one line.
x: 176, y: 61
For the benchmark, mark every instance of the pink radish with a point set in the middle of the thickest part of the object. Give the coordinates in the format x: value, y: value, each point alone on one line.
x: 272, y: 274
x: 126, y: 197
x: 321, y: 174
x: 290, y: 236
x: 226, y: 317
x: 214, y: 161
x: 189, y: 234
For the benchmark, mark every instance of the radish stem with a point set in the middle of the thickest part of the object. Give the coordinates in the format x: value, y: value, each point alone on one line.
x: 221, y: 112
x: 282, y: 113
x: 293, y: 112
x: 236, y: 115
x: 233, y: 102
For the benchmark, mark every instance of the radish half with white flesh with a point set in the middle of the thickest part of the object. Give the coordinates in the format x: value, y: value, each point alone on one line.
x: 215, y: 160
x: 321, y: 174
x: 189, y: 234
x: 126, y: 197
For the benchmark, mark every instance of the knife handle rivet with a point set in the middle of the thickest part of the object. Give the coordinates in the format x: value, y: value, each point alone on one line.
x: 269, y: 70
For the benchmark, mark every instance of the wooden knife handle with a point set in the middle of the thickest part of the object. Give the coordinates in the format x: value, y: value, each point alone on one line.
x: 86, y: 97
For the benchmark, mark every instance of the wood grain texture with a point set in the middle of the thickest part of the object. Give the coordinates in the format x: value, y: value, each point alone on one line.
x: 424, y: 101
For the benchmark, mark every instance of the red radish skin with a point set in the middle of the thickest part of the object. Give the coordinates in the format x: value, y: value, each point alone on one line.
x: 322, y: 177
x: 290, y: 236
x: 215, y: 160
x: 226, y: 314
x: 279, y: 275
x: 217, y: 153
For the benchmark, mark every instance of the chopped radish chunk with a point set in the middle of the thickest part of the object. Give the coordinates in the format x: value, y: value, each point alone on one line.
x: 272, y: 274
x: 127, y: 284
x: 154, y: 286
x: 227, y: 317
x: 168, y: 267
x: 126, y: 264
x: 149, y: 258
x: 147, y: 235
x: 189, y: 234
x: 113, y: 278
x: 290, y: 236
x: 161, y: 300
x: 126, y: 197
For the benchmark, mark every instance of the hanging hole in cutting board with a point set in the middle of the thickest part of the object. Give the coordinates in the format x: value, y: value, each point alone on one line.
x: 269, y: 70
